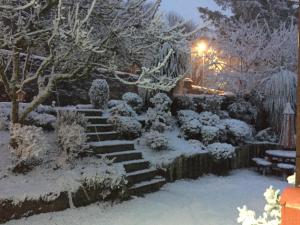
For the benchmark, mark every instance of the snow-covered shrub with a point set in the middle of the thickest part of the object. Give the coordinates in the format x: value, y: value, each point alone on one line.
x: 113, y: 103
x: 44, y: 120
x: 122, y: 109
x: 70, y: 130
x: 99, y: 93
x: 158, y: 120
x: 128, y: 127
x: 222, y: 114
x: 208, y: 102
x: 28, y: 146
x: 221, y: 151
x: 161, y: 102
x: 237, y: 131
x: 156, y: 141
x: 198, y: 145
x: 243, y: 110
x: 209, y: 119
x: 72, y: 140
x: 209, y: 134
x: 134, y: 100
x: 267, y: 135
x: 184, y: 116
x: 272, y: 211
x: 183, y: 102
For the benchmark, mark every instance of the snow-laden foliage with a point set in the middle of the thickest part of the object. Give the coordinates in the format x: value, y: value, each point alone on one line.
x: 190, y: 124
x: 243, y: 110
x: 279, y: 89
x: 28, y: 145
x: 267, y: 135
x: 272, y: 211
x: 185, y: 116
x: 128, y: 127
x: 71, y: 136
x: 221, y: 151
x: 122, y: 109
x: 158, y: 120
x: 161, y: 102
x: 209, y: 119
x: 113, y: 103
x: 3, y: 122
x: 209, y: 134
x: 156, y: 140
x: 99, y: 93
x: 198, y: 145
x: 237, y: 131
x: 134, y: 100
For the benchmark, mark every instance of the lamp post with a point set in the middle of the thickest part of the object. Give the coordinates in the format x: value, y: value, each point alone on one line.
x: 201, y: 48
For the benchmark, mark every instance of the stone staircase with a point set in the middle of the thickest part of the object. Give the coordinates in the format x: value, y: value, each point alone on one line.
x: 105, y: 142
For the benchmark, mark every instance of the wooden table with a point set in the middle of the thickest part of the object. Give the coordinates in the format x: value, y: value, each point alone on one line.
x: 281, y: 156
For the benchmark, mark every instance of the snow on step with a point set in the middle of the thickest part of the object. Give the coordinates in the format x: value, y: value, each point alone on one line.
x: 109, y: 143
x: 101, y: 133
x: 282, y: 153
x: 285, y: 166
x: 120, y: 153
x: 148, y: 182
x: 141, y: 172
x: 262, y: 162
x: 135, y: 161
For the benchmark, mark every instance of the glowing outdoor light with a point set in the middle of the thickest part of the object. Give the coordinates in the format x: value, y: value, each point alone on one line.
x: 201, y: 47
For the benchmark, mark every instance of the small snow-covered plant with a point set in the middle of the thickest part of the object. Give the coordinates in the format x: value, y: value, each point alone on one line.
x: 158, y: 120
x: 272, y: 211
x: 209, y: 134
x: 70, y: 130
x: 99, y: 93
x: 122, y: 109
x: 161, y: 102
x: 190, y: 124
x: 28, y: 145
x: 221, y: 151
x: 268, y: 135
x: 3, y: 122
x: 209, y: 119
x: 156, y: 140
x: 128, y: 127
x: 134, y: 100
x: 184, y: 116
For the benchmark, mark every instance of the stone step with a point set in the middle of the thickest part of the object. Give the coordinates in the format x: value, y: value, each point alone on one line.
x: 90, y: 112
x: 100, y: 128
x: 103, y: 136
x: 96, y: 119
x: 123, y: 156
x: 147, y: 186
x: 105, y: 147
x: 135, y: 165
x: 141, y: 175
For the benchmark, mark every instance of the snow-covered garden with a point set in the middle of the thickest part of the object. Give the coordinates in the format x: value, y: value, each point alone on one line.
x: 103, y: 102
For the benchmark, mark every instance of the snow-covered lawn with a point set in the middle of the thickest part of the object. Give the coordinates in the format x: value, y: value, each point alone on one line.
x: 209, y: 200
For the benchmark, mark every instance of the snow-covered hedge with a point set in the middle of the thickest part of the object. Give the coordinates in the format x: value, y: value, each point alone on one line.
x: 161, y: 102
x: 209, y: 119
x: 134, y: 100
x: 122, y: 109
x: 190, y: 124
x: 156, y: 141
x: 70, y: 130
x: 128, y: 127
x: 99, y: 93
x: 221, y: 151
x: 267, y: 135
x: 243, y: 110
x: 237, y: 131
x: 209, y: 134
x: 158, y: 120
x: 185, y: 116
x: 28, y: 146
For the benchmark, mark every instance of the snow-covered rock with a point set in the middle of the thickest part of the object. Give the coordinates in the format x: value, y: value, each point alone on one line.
x: 134, y: 100
x: 99, y: 93
x: 237, y: 131
x: 267, y: 135
x: 243, y: 110
x: 209, y: 134
x: 221, y: 151
x: 209, y: 119
x: 156, y: 141
x: 122, y: 109
x: 128, y: 127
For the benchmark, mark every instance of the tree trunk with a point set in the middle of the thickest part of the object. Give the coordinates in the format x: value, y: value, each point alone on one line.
x: 298, y: 111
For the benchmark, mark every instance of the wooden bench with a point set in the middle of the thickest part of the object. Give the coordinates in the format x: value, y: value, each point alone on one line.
x: 262, y: 165
x: 286, y: 169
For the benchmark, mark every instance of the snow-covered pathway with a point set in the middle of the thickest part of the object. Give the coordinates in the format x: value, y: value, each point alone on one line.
x: 209, y: 200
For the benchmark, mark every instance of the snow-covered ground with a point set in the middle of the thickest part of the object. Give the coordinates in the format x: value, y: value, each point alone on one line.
x: 209, y: 200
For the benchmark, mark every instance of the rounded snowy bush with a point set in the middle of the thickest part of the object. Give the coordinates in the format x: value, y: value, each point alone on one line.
x: 99, y: 93
x: 267, y: 135
x: 156, y: 140
x: 209, y: 134
x: 209, y: 119
x: 161, y: 102
x: 191, y: 129
x: 134, y: 100
x: 122, y: 109
x: 238, y: 132
x: 128, y: 127
x: 185, y: 116
x: 243, y: 110
x: 158, y: 120
x: 221, y: 151
x: 28, y: 146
